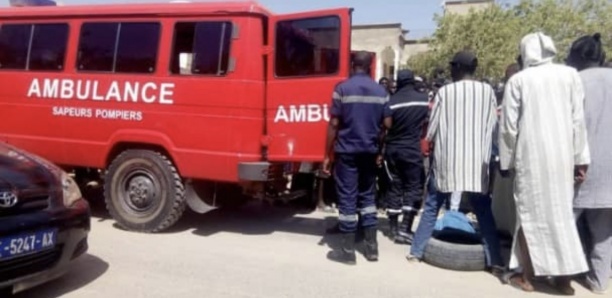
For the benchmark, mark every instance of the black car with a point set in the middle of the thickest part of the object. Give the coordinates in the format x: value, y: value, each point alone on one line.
x: 44, y: 221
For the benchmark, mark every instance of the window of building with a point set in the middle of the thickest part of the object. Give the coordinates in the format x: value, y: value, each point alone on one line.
x: 201, y: 48
x: 33, y: 46
x: 307, y: 47
x: 119, y: 47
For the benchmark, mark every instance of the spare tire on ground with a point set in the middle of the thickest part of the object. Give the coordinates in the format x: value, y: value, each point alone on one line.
x: 455, y: 250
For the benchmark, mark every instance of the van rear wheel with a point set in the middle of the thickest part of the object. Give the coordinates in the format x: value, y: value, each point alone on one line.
x: 144, y: 192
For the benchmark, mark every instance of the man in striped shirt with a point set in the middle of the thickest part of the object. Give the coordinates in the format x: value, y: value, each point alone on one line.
x: 461, y: 130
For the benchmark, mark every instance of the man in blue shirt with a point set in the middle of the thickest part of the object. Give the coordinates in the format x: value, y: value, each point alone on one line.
x: 360, y: 115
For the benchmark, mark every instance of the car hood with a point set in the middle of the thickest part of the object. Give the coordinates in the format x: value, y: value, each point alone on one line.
x: 22, y: 171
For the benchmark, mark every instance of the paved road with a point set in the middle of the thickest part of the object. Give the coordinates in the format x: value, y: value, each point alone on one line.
x: 255, y: 252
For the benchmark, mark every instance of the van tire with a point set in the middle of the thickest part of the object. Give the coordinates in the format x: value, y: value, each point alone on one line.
x: 453, y: 256
x: 144, y: 192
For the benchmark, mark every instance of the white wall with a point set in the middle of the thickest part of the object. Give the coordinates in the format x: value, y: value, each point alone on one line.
x: 385, y: 42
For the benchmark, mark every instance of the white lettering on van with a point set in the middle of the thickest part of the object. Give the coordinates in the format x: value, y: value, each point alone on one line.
x: 104, y: 114
x: 145, y: 98
x: 310, y: 113
x: 34, y: 89
x: 50, y: 88
x: 166, y: 93
x: 131, y: 91
x: 116, y: 91
x: 297, y: 113
x: 67, y: 89
x: 314, y: 113
x: 113, y: 92
x: 83, y: 92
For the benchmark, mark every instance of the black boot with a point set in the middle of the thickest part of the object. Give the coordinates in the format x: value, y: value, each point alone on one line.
x: 371, y: 245
x: 345, y: 254
x: 333, y: 230
x: 405, y: 235
x: 360, y: 233
x: 393, y: 226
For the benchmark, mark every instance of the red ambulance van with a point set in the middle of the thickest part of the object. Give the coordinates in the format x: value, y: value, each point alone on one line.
x: 174, y: 104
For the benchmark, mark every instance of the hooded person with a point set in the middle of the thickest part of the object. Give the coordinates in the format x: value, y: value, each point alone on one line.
x: 593, y: 201
x: 543, y: 104
x: 403, y: 155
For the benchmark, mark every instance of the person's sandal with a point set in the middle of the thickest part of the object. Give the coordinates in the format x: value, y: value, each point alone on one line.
x: 516, y: 281
x: 564, y: 286
x: 412, y: 259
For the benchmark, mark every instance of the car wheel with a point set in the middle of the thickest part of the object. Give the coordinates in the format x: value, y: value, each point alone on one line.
x: 455, y: 256
x: 144, y: 192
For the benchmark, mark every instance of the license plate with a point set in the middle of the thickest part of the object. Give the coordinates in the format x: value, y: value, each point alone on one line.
x: 25, y: 244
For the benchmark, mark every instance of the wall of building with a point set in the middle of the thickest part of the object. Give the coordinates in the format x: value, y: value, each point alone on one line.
x: 413, y: 48
x: 464, y: 7
x: 385, y: 41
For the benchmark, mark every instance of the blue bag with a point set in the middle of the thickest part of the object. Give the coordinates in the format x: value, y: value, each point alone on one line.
x: 455, y: 220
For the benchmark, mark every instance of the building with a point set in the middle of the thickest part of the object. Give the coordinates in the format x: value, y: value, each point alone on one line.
x: 390, y: 41
x: 386, y: 40
x: 464, y: 6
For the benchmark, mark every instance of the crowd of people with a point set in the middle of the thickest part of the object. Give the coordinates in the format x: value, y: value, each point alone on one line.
x: 544, y: 127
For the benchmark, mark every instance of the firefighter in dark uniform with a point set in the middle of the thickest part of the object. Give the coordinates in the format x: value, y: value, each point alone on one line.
x: 359, y: 115
x: 404, y: 157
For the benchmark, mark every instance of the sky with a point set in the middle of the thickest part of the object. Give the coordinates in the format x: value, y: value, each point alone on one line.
x: 415, y: 15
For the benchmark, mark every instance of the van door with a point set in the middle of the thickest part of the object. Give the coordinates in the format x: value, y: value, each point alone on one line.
x: 310, y: 55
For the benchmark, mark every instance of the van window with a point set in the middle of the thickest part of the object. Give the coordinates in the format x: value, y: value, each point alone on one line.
x: 138, y: 45
x: 48, y: 49
x: 119, y: 47
x: 307, y: 47
x: 201, y: 48
x: 97, y: 46
x: 14, y: 44
x: 33, y: 46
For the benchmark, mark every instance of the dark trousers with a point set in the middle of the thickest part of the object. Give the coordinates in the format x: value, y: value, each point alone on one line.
x: 355, y: 176
x: 406, y: 171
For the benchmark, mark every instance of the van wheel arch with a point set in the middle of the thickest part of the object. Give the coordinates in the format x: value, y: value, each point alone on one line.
x: 121, y: 147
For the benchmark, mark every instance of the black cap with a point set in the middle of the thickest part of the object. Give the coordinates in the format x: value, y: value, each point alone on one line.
x: 588, y: 48
x: 464, y: 58
x: 405, y: 75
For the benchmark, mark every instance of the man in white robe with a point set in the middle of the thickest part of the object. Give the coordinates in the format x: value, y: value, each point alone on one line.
x: 543, y: 141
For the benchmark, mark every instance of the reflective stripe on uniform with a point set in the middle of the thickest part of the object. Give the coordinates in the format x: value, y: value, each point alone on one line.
x: 348, y: 218
x: 365, y: 99
x: 369, y: 210
x: 404, y: 234
x: 337, y: 96
x: 407, y: 208
x: 409, y: 104
x: 394, y: 211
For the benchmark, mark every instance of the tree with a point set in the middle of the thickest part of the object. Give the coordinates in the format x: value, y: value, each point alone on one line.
x: 494, y: 34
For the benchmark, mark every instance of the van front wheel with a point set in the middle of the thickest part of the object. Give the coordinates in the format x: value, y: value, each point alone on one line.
x: 143, y: 191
